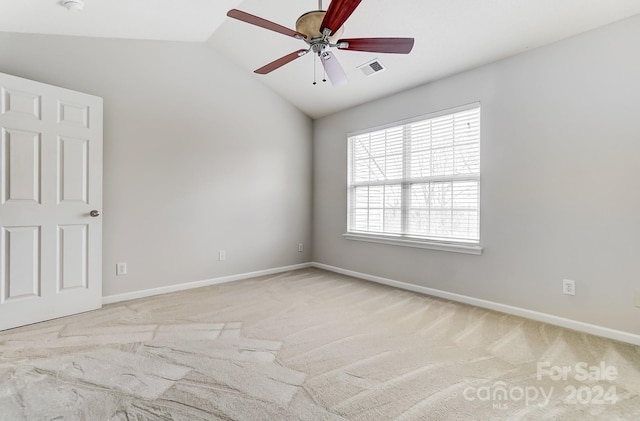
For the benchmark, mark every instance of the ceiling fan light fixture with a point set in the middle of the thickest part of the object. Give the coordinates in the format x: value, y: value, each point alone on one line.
x: 334, y: 70
x: 73, y: 5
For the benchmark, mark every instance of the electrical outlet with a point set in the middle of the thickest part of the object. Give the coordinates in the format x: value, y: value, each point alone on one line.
x: 300, y: 247
x: 121, y: 269
x: 637, y: 297
x: 222, y: 255
x: 568, y: 287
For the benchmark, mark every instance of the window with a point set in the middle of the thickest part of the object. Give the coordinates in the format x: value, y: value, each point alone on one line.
x: 418, y: 180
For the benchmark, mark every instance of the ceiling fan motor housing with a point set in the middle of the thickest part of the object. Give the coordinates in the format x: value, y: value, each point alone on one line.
x: 310, y: 23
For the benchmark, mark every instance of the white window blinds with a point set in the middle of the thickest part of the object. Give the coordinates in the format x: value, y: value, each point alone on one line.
x: 419, y: 179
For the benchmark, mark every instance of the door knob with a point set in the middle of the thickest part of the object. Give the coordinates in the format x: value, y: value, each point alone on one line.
x: 94, y: 213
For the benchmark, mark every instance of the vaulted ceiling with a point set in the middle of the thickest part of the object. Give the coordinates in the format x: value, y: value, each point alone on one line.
x: 451, y: 36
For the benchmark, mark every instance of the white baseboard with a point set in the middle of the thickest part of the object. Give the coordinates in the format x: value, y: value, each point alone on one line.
x: 491, y: 305
x: 109, y: 299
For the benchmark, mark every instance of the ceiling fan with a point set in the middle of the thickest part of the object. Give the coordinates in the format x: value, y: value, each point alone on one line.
x: 320, y: 29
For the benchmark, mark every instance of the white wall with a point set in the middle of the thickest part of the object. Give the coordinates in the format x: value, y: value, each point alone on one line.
x: 560, y: 171
x: 198, y: 157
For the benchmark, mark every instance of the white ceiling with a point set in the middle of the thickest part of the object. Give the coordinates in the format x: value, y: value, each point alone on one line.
x: 174, y: 20
x: 451, y: 35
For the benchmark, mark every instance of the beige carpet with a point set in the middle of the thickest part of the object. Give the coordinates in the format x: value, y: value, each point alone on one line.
x: 310, y: 345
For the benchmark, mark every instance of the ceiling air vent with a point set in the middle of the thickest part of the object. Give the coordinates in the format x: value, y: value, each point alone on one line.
x: 371, y: 67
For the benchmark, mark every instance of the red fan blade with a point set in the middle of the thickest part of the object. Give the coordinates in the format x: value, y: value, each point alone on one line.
x: 377, y: 45
x: 337, y: 13
x: 263, y: 23
x: 276, y: 64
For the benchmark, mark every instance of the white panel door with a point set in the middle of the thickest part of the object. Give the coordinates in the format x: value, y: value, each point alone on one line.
x: 50, y: 182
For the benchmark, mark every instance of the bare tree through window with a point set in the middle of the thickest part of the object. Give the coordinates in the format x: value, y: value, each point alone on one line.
x: 418, y: 179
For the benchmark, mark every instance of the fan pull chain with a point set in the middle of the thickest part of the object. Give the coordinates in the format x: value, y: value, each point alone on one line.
x: 314, y: 69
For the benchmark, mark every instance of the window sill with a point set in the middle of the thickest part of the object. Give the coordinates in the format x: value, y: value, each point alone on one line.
x: 431, y: 245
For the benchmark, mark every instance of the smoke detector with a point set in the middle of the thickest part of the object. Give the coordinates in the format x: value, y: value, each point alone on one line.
x: 73, y: 5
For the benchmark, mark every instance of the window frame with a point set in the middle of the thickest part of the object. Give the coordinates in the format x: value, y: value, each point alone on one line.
x: 402, y: 239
